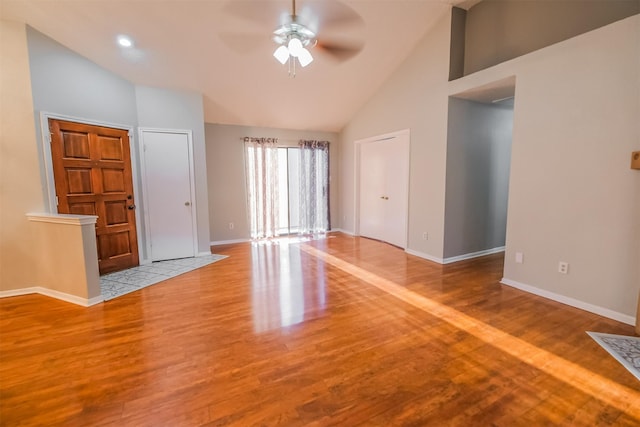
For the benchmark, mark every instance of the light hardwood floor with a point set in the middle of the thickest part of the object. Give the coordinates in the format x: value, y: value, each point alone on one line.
x: 342, y: 331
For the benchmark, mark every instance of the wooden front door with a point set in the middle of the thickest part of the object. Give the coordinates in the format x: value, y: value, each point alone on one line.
x: 92, y: 173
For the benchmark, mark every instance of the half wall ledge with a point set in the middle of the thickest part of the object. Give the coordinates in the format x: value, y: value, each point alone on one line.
x: 65, y: 257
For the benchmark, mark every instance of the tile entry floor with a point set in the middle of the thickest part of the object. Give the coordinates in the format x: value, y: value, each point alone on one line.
x: 123, y: 282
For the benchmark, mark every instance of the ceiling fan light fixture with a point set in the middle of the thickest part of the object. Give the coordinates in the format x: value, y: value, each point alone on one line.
x: 305, y: 57
x: 295, y: 47
x: 282, y: 54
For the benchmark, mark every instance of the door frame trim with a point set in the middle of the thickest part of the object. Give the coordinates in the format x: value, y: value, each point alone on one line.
x: 192, y: 185
x: 50, y: 193
x: 356, y: 178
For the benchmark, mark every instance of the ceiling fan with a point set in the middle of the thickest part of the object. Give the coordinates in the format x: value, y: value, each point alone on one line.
x: 298, y: 32
x: 294, y: 38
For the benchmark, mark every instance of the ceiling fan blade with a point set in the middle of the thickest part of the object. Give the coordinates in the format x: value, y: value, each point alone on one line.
x: 339, y: 51
x: 245, y: 43
x: 267, y: 14
x: 320, y: 15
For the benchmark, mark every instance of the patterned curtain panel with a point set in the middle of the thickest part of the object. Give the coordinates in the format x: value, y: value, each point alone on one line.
x: 262, y: 186
x: 314, y: 187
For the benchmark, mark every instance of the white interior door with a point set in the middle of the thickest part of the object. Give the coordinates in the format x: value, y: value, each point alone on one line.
x: 372, y: 190
x: 396, y: 191
x: 168, y: 178
x: 384, y: 189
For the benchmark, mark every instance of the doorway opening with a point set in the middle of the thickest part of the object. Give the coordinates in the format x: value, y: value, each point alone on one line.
x: 479, y: 139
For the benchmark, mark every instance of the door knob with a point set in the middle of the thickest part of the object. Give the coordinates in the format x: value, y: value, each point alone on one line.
x: 131, y: 207
x: 187, y: 203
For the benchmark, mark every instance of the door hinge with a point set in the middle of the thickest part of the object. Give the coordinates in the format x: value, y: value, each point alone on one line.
x: 57, y: 202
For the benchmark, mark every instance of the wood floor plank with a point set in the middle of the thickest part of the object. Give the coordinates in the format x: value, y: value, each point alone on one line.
x: 341, y: 331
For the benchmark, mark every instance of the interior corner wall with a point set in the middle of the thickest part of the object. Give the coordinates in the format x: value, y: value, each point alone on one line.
x: 180, y: 110
x: 414, y: 97
x: 226, y: 174
x: 20, y: 185
x: 477, y: 187
x: 456, y: 55
x: 497, y: 31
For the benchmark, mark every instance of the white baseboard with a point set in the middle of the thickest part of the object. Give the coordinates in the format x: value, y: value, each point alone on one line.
x: 424, y: 256
x: 473, y: 255
x: 199, y: 254
x: 340, y: 230
x: 53, y: 294
x: 455, y: 258
x: 228, y: 242
x: 605, y: 312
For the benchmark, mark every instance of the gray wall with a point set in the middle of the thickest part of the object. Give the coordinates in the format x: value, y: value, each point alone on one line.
x: 64, y: 82
x: 498, y: 30
x: 477, y: 186
x: 225, y: 163
x: 170, y: 109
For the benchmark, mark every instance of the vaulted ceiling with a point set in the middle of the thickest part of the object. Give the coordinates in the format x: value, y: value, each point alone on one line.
x: 223, y: 49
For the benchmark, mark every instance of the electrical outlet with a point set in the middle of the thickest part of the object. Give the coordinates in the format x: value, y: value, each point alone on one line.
x: 425, y: 236
x: 519, y: 257
x: 563, y: 267
x: 231, y: 226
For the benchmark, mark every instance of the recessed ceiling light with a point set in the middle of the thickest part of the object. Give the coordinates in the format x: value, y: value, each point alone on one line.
x: 124, y: 41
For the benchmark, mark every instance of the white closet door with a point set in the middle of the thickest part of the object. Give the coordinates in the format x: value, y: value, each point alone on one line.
x: 372, y: 190
x: 168, y: 184
x: 397, y: 191
x: 384, y: 189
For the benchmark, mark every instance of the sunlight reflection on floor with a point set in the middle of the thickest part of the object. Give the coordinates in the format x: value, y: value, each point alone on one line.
x: 610, y: 392
x: 280, y: 297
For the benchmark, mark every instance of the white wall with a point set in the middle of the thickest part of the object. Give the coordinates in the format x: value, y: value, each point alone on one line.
x: 225, y: 169
x: 477, y: 183
x: 415, y: 97
x: 20, y: 184
x: 171, y: 109
x: 572, y: 195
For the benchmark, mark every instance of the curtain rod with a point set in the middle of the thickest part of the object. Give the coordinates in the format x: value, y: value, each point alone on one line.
x: 283, y: 139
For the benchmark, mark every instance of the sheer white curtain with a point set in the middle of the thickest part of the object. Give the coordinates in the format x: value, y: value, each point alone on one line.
x: 314, y: 187
x: 262, y: 186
